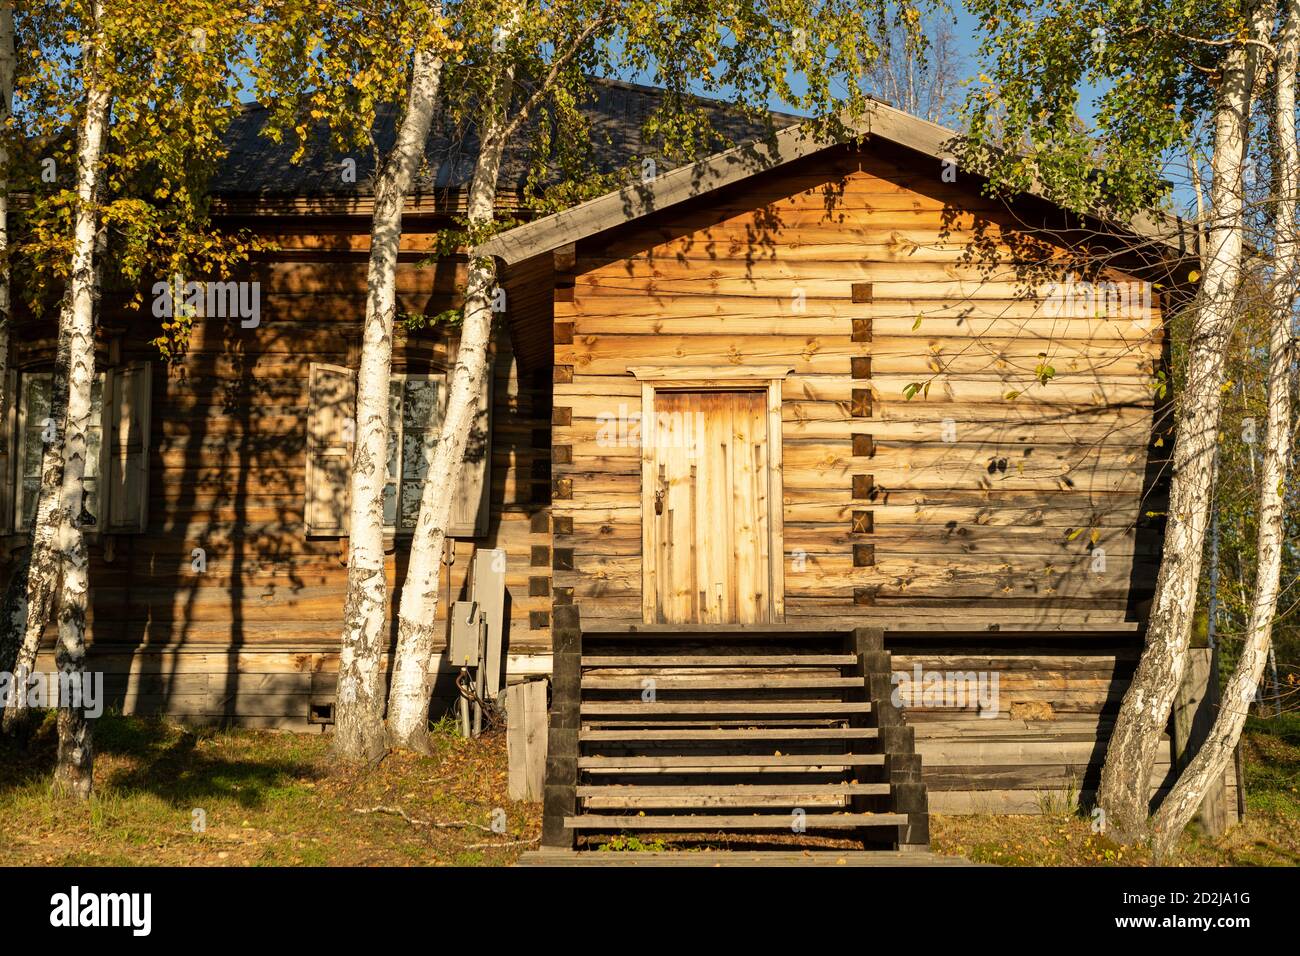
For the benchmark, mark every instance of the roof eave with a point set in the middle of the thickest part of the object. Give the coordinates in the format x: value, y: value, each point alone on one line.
x: 749, y: 159
x: 674, y: 187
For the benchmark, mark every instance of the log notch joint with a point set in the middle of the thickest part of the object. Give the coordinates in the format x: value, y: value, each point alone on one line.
x: 897, y: 741
x: 560, y: 797
x: 863, y: 442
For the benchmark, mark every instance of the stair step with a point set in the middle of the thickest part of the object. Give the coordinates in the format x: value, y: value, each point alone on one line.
x: 722, y: 660
x: 733, y: 799
x: 677, y: 682
x: 750, y: 734
x: 776, y: 821
x: 707, y: 722
x: 637, y: 708
x: 707, y: 631
x: 732, y: 761
x: 730, y: 803
x: 691, y: 734
x: 837, y: 858
x: 757, y: 790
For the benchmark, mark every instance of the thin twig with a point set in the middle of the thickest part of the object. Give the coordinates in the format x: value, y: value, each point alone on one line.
x: 416, y: 821
x: 559, y: 63
x: 493, y: 846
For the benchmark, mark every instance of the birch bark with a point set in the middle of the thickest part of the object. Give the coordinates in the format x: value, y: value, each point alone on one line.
x: 73, y: 772
x: 1124, y: 791
x: 359, y: 728
x: 1211, y: 760
x: 408, y: 699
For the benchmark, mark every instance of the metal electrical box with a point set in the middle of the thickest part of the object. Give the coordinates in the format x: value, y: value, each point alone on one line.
x: 467, y: 631
x: 490, y: 595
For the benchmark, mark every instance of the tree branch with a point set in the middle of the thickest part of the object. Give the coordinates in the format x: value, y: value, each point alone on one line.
x: 556, y: 66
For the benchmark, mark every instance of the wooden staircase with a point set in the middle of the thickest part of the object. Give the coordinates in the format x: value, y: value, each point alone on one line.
x: 731, y: 735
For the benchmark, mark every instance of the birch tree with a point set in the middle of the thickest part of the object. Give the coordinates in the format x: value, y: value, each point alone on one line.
x: 1164, y: 68
x: 13, y: 626
x: 922, y: 77
x: 341, y: 63
x: 34, y: 580
x: 140, y: 180
x: 1125, y: 791
x: 1178, y: 808
x: 358, y: 720
x: 74, y: 772
x: 8, y: 66
x: 537, y: 56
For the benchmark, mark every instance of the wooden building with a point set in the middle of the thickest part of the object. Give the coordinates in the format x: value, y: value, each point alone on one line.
x: 794, y: 389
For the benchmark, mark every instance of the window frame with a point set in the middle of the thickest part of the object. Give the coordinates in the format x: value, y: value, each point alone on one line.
x: 15, y: 522
x: 398, y: 429
x: 323, y: 484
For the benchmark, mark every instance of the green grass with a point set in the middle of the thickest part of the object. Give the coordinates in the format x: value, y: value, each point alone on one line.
x: 630, y: 843
x: 271, y: 799
x: 1268, y: 836
x: 172, y: 795
x: 1272, y: 759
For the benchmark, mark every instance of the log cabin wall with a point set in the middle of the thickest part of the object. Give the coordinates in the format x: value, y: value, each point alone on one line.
x: 884, y: 521
x: 987, y: 494
x: 254, y: 638
x: 935, y: 477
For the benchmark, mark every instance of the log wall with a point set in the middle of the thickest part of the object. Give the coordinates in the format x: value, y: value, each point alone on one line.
x: 254, y: 638
x: 967, y: 441
x: 979, y: 500
x: 930, y: 463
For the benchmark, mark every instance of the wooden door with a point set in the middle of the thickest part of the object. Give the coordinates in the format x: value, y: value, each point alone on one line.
x: 710, y: 508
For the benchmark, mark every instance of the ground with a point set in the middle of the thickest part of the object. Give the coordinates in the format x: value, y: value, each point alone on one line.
x: 170, y: 795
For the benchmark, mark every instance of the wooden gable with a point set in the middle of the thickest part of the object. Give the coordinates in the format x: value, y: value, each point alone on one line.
x: 968, y: 423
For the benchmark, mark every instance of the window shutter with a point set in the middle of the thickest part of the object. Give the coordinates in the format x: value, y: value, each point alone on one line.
x: 330, y: 438
x: 9, y: 445
x: 469, y: 509
x: 124, y: 453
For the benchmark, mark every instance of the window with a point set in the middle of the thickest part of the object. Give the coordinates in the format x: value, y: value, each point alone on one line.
x: 37, y: 430
x: 117, y: 460
x: 415, y: 421
x: 416, y: 403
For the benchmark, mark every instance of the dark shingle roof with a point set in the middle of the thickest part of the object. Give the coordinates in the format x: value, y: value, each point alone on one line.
x: 617, y: 111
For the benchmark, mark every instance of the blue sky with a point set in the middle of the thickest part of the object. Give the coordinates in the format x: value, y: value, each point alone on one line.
x: 967, y: 33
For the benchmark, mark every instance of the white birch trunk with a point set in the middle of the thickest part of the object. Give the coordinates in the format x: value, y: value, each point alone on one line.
x: 30, y: 598
x: 74, y: 771
x: 408, y: 699
x: 1124, y: 791
x: 1212, y: 759
x: 8, y: 67
x: 359, y: 728
x: 14, y: 621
